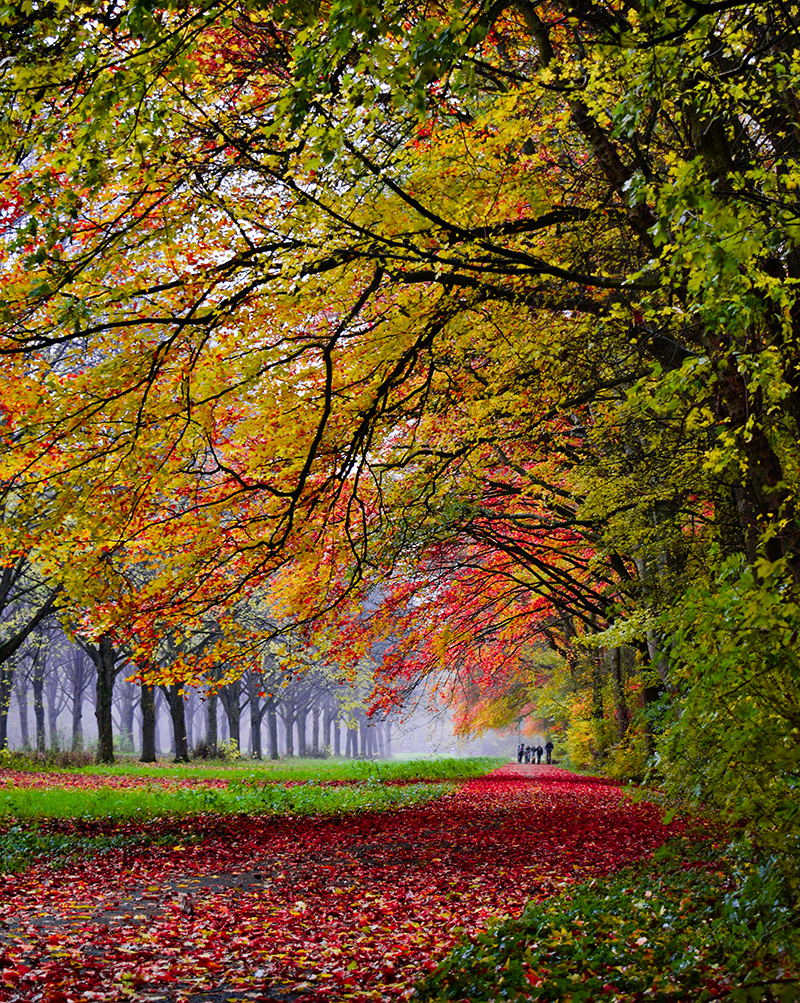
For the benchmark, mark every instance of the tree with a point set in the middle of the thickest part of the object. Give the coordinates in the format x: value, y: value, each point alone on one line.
x: 487, y: 306
x: 108, y: 659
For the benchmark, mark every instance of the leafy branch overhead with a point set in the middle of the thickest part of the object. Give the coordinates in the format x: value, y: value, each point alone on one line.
x: 447, y: 330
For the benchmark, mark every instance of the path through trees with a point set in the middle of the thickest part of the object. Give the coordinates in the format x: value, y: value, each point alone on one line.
x: 354, y: 907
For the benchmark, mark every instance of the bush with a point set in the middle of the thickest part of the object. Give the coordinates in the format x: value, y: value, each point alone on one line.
x: 705, y: 924
x: 204, y: 750
x: 736, y: 678
x: 229, y: 751
x: 51, y: 759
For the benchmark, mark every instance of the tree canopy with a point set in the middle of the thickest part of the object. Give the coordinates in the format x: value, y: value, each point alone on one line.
x: 460, y: 328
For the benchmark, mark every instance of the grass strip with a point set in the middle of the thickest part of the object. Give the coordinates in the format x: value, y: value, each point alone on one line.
x: 699, y: 922
x: 21, y: 803
x: 278, y: 771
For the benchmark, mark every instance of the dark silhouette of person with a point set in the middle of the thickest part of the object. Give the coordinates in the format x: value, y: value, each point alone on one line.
x: 539, y: 751
x: 520, y: 752
x: 548, y: 748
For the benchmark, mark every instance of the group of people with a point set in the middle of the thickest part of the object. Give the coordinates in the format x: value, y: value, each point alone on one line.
x: 533, y: 753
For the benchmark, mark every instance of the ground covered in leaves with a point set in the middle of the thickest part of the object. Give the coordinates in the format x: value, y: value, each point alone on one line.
x: 349, y: 907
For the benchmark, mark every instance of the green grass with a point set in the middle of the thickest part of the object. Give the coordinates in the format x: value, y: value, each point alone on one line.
x: 280, y: 770
x: 26, y: 803
x: 699, y: 922
x: 22, y: 845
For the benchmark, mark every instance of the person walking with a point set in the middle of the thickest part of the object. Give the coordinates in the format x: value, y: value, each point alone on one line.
x: 548, y: 748
x: 520, y: 752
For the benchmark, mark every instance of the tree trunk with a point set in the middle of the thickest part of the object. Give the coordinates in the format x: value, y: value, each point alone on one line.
x: 230, y: 696
x: 127, y: 707
x: 212, y: 736
x: 315, y: 750
x: 104, y: 658
x: 37, y: 682
x: 77, y: 720
x: 337, y: 734
x: 256, y: 713
x: 301, y: 718
x: 191, y: 711
x: 328, y: 713
x: 288, y: 716
x: 618, y: 690
x: 177, y: 712
x: 272, y: 728
x: 148, y: 705
x: 6, y: 682
x: 21, y: 693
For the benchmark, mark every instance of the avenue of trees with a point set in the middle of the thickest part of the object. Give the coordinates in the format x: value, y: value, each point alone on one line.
x: 464, y: 330
x: 53, y: 684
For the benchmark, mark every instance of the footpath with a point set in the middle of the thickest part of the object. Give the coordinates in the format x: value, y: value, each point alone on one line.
x: 303, y: 909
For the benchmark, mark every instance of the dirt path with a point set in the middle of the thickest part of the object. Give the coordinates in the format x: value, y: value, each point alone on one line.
x: 346, y: 908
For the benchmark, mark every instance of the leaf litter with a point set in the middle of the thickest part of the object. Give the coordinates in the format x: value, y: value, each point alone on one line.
x: 351, y: 907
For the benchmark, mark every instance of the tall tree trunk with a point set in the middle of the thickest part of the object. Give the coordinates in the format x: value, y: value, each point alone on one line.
x: 6, y: 683
x: 177, y: 712
x: 337, y: 734
x: 315, y: 750
x: 127, y: 707
x: 54, y: 707
x: 272, y: 729
x: 77, y: 721
x: 328, y: 713
x: 231, y: 702
x: 105, y: 662
x: 212, y: 735
x: 288, y: 712
x: 302, y: 717
x: 618, y: 690
x: 256, y: 713
x: 148, y: 705
x: 190, y: 709
x: 21, y: 693
x: 37, y: 683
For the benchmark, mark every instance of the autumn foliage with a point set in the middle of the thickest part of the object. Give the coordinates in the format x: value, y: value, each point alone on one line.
x: 438, y: 335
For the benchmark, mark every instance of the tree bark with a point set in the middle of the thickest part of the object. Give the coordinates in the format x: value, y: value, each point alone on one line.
x: 105, y: 658
x: 21, y: 693
x: 212, y: 735
x: 301, y: 719
x: 618, y: 690
x: 177, y: 712
x: 37, y: 683
x: 148, y: 705
x: 315, y: 750
x: 230, y: 696
x: 6, y: 683
x: 272, y: 729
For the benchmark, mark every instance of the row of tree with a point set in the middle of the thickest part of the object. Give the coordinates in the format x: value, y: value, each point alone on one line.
x: 310, y: 714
